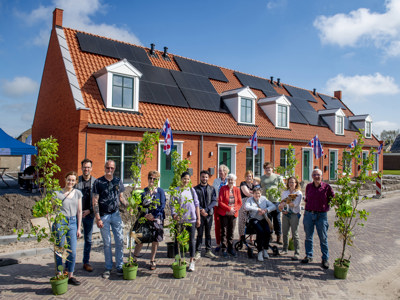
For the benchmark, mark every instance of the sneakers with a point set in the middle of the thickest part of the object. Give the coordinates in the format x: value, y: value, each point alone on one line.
x: 120, y: 272
x: 217, y: 249
x: 284, y: 252
x: 260, y: 256
x: 88, y: 267
x: 224, y: 253
x: 191, y: 266
x: 232, y: 252
x: 197, y: 255
x: 295, y: 257
x: 306, y: 260
x: 265, y: 253
x: 325, y: 264
x: 106, y: 274
x: 209, y: 254
x: 73, y: 281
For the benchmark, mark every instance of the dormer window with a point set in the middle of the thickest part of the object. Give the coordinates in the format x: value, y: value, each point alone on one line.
x: 241, y: 104
x: 246, y: 110
x: 277, y: 109
x: 363, y: 123
x: 334, y: 118
x: 368, y: 129
x: 283, y: 116
x: 339, y: 125
x: 119, y: 86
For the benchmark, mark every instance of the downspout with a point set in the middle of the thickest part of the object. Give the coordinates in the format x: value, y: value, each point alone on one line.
x: 273, y: 153
x: 86, y: 142
x: 201, y: 152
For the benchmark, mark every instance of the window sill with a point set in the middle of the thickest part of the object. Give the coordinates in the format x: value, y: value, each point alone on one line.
x: 122, y: 110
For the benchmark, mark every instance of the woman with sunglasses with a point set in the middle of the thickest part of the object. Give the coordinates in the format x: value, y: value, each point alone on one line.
x: 153, y: 204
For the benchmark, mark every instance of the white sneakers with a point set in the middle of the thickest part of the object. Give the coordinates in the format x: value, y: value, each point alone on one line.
x: 260, y: 256
x: 191, y: 266
x: 197, y: 256
x: 266, y: 255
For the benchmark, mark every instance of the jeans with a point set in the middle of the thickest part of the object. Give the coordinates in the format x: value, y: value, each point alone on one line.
x: 205, y: 226
x: 275, y: 217
x: 192, y: 241
x: 114, y: 220
x: 87, y: 223
x: 291, y: 222
x: 263, y: 233
x: 228, y: 224
x: 70, y: 226
x: 320, y: 221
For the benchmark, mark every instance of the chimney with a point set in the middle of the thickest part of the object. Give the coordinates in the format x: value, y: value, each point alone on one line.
x: 278, y: 82
x: 57, y: 17
x: 272, y: 79
x: 314, y: 92
x: 165, y: 54
x: 338, y: 95
x: 152, y: 49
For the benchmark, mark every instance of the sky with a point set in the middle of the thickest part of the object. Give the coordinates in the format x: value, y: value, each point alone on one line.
x: 352, y: 46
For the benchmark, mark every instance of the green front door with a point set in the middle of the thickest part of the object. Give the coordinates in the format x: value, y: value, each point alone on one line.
x: 332, y: 165
x: 225, y: 156
x: 306, y: 165
x: 166, y: 171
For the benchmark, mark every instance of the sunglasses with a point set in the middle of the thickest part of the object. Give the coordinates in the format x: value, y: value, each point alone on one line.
x: 110, y: 168
x: 153, y: 178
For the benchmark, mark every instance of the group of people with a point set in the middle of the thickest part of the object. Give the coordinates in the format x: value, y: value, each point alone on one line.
x: 86, y: 200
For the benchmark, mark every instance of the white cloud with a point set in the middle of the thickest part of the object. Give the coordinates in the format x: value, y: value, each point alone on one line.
x: 362, y: 26
x: 359, y: 87
x: 19, y: 86
x: 78, y: 15
x: 276, y: 3
x: 379, y: 126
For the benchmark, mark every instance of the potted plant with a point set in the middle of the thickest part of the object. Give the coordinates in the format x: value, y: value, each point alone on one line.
x: 347, y: 200
x: 48, y: 209
x: 142, y: 153
x: 177, y: 225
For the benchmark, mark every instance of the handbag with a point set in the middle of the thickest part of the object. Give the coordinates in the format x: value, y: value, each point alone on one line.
x: 144, y: 231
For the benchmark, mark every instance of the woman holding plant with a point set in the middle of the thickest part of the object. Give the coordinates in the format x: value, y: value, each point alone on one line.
x: 189, y: 202
x: 70, y: 227
x: 152, y: 208
x: 290, y: 208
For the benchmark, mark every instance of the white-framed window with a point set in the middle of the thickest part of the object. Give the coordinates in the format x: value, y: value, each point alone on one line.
x: 122, y: 92
x: 375, y: 166
x: 340, y: 125
x: 347, y: 162
x: 283, y: 116
x: 119, y: 86
x: 283, y: 159
x: 368, y: 129
x: 255, y: 162
x: 121, y: 153
x: 246, y: 110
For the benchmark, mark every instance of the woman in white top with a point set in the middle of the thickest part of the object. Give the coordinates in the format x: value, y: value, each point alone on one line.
x: 69, y: 228
x: 258, y: 207
x: 291, y: 215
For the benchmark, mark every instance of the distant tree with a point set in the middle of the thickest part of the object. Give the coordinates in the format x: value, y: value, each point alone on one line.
x: 388, y: 136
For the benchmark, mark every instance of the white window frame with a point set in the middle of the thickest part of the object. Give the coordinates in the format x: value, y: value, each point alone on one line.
x: 351, y: 164
x: 262, y: 160
x: 233, y: 162
x: 376, y: 163
x: 310, y: 165
x: 278, y: 118
x: 121, y: 167
x: 286, y: 149
x: 368, y: 132
x: 339, y: 130
x: 252, y: 110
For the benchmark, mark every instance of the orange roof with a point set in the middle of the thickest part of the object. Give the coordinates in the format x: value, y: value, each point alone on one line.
x: 152, y: 116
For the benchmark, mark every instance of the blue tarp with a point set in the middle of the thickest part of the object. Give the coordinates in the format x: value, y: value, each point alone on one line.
x: 11, y: 146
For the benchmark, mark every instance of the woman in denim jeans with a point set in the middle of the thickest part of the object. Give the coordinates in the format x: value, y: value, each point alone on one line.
x: 70, y: 227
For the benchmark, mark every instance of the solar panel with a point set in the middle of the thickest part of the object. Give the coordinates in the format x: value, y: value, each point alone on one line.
x: 295, y: 116
x: 101, y: 46
x: 194, y: 82
x: 154, y: 74
x: 199, y: 68
x: 300, y: 93
x: 161, y: 94
x: 331, y: 102
x: 307, y: 111
x: 258, y: 83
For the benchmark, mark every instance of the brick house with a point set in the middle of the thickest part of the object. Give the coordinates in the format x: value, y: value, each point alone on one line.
x: 98, y: 96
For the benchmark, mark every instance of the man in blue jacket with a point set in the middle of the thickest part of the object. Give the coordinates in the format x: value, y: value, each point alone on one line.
x: 207, y: 200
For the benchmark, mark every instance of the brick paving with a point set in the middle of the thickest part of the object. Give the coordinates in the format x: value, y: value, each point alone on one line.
x: 376, y: 250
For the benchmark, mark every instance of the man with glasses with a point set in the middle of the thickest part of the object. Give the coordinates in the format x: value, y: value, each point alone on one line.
x: 318, y: 195
x: 270, y: 180
x: 85, y: 185
x: 107, y: 193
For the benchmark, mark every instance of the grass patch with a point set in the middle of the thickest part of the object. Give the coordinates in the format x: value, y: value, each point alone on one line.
x: 391, y: 172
